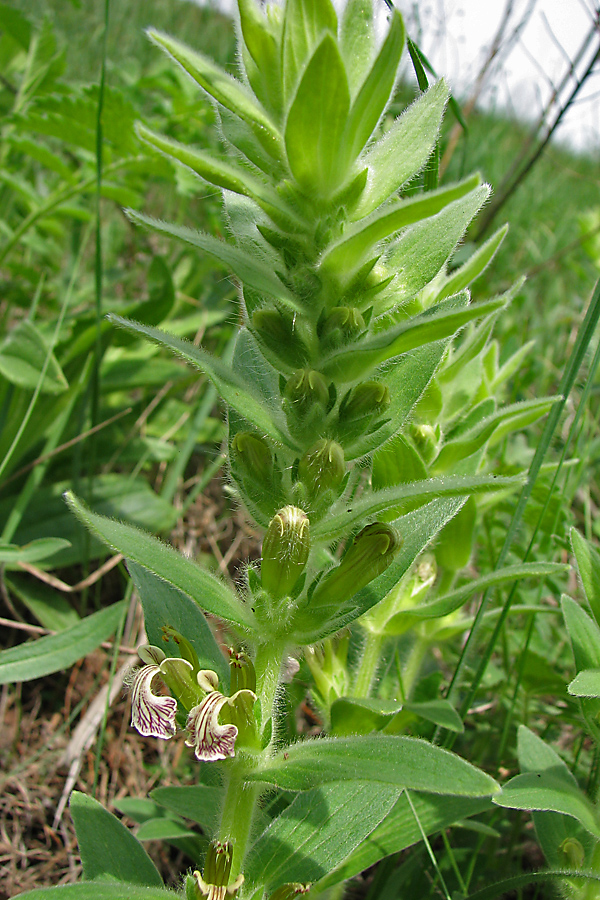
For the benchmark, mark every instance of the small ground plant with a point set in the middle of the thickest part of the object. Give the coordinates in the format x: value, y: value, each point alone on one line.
x: 364, y: 398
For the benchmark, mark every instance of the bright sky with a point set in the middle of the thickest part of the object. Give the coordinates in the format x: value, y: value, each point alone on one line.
x: 455, y: 35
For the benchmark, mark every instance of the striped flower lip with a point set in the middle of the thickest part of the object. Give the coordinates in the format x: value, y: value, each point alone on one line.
x: 152, y: 715
x: 210, y: 739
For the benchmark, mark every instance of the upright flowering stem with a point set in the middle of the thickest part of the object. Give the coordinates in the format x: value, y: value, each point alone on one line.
x: 238, y: 811
x: 268, y: 663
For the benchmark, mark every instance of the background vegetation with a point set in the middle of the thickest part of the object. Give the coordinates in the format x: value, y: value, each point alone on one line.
x: 138, y: 436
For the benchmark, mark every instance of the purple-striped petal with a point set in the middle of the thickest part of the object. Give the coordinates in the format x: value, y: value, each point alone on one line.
x: 210, y: 740
x: 153, y: 715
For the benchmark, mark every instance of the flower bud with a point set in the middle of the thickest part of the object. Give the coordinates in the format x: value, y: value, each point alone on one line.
x: 214, y: 883
x: 283, y: 334
x: 367, y: 399
x: 254, y: 456
x: 305, y: 401
x: 178, y: 675
x: 243, y: 676
x: 185, y: 648
x: 322, y: 467
x: 372, y: 551
x: 341, y: 325
x: 425, y: 438
x: 285, y: 551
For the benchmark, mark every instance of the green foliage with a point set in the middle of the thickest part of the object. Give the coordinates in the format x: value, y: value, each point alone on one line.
x: 368, y: 407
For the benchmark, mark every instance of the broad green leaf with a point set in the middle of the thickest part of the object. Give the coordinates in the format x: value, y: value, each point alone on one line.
x: 59, y: 651
x: 221, y: 172
x: 303, y: 27
x: 231, y: 387
x: 317, y: 832
x: 99, y: 891
x: 361, y: 715
x: 552, y: 828
x: 345, y: 258
x: 23, y: 355
x: 383, y: 759
x: 417, y: 529
x: 316, y: 121
x: 400, y: 829
x: 49, y: 606
x: 36, y: 551
x: 443, y: 606
x: 549, y: 791
x: 225, y: 89
x: 586, y: 684
x: 474, y: 266
x: 377, y: 502
x: 375, y: 91
x: 251, y: 271
x: 108, y: 849
x: 434, y: 324
x: 588, y: 564
x: 403, y: 150
x: 210, y: 593
x: 164, y: 604
x: 357, y: 41
x: 426, y: 247
x: 199, y: 802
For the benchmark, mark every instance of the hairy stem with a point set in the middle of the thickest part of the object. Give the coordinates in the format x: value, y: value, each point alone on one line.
x: 368, y: 665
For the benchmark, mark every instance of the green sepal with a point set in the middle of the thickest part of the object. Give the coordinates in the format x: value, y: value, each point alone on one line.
x: 261, y: 41
x: 357, y: 41
x: 285, y: 551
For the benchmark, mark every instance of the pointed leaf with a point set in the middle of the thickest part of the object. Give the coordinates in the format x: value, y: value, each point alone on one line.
x: 474, y: 266
x: 375, y: 91
x: 303, y: 27
x: 59, y: 651
x: 108, y: 850
x: 358, y: 244
x: 357, y: 41
x: 199, y: 802
x: 403, y: 150
x: 427, y: 246
x: 443, y: 606
x: 251, y: 271
x: 417, y: 529
x: 547, y: 790
x: 434, y: 324
x: 317, y: 832
x: 384, y: 759
x: 221, y: 172
x: 400, y: 829
x: 225, y: 89
x: 230, y: 386
x: 210, y: 593
x: 376, y: 502
x: 316, y: 122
